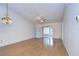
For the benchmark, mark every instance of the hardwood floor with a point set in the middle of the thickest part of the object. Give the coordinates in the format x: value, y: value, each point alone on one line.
x: 34, y: 47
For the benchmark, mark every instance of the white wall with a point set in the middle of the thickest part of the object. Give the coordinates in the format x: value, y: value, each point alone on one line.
x: 20, y: 30
x: 71, y: 29
x: 56, y: 28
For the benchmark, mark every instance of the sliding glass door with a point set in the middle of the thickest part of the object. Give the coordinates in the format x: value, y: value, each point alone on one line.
x: 48, y: 36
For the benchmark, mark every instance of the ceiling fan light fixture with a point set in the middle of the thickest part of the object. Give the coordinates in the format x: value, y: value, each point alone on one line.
x: 7, y: 19
x: 41, y: 21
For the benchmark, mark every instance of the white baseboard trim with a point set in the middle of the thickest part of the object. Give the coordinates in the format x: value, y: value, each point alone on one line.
x: 66, y: 48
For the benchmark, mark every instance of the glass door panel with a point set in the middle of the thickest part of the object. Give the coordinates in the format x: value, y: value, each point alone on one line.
x: 48, y: 35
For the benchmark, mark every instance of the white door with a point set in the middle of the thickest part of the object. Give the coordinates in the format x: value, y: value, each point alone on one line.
x: 48, y: 36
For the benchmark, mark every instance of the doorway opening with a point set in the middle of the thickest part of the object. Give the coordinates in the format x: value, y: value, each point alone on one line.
x: 48, y: 35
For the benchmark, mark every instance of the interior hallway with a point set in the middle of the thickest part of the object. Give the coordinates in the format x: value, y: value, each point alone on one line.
x: 34, y: 47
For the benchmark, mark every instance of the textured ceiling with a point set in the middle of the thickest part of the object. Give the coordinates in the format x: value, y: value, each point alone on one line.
x: 53, y: 12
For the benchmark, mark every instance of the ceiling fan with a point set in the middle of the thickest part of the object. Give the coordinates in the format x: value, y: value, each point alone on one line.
x: 42, y: 19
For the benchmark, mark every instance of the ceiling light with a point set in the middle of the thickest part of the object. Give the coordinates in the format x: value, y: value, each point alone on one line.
x: 42, y: 19
x: 7, y: 19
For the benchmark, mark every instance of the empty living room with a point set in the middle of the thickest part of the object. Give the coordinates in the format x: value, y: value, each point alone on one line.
x: 39, y: 29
